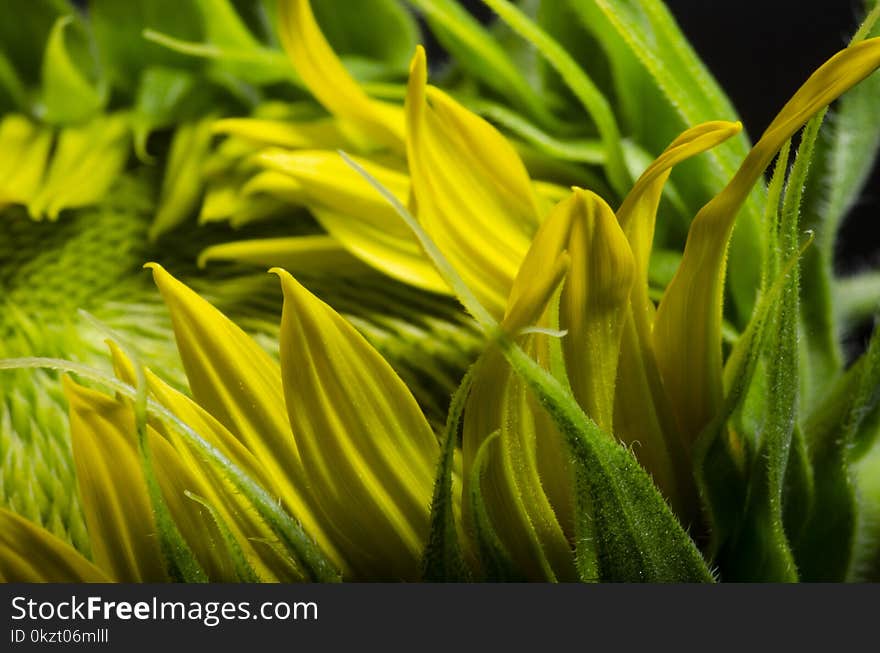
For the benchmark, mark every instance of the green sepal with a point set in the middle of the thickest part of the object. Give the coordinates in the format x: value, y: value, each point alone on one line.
x: 181, y: 563
x: 826, y: 549
x: 637, y: 538
x: 479, y: 54
x: 24, y: 31
x: 857, y: 297
x: 13, y: 96
x: 495, y: 561
x: 579, y: 82
x: 443, y: 559
x: 865, y: 565
x: 125, y: 54
x: 243, y: 569
x: 170, y: 96
x: 760, y: 549
x: 722, y: 455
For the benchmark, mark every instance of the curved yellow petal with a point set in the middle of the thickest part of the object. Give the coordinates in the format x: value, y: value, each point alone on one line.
x: 239, y: 384
x: 369, y: 453
x: 643, y: 417
x: 115, y: 500
x: 329, y: 81
x: 356, y: 215
x: 687, y: 329
x: 320, y: 133
x: 30, y: 554
x: 512, y: 486
x: 638, y: 212
x: 471, y: 191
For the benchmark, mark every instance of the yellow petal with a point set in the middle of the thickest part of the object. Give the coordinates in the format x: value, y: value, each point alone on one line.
x: 526, y: 483
x: 643, y: 417
x: 24, y: 150
x: 302, y: 254
x: 86, y: 161
x: 329, y: 81
x: 276, y: 184
x: 369, y: 452
x: 180, y: 468
x: 116, y: 504
x: 328, y: 181
x: 356, y: 215
x: 323, y: 133
x: 238, y: 383
x: 687, y: 329
x: 471, y: 191
x: 183, y: 181
x: 30, y: 554
x: 594, y: 300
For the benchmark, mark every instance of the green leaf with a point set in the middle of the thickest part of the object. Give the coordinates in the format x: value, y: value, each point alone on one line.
x: 443, y: 559
x: 68, y: 93
x: 183, y: 182
x: 24, y: 32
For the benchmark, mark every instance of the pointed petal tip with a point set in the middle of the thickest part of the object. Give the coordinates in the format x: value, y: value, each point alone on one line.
x: 155, y: 268
x: 418, y: 68
x: 163, y: 279
x: 292, y: 289
x: 419, y: 59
